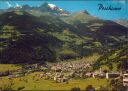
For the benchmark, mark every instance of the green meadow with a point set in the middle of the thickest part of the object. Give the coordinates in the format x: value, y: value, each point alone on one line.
x: 8, y: 67
x: 33, y: 82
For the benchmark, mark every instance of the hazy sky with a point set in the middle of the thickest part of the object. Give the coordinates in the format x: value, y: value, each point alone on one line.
x: 74, y: 6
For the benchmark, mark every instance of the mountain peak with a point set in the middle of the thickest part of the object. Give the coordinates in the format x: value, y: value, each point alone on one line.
x: 52, y: 6
x: 48, y: 7
x: 18, y: 6
x: 84, y: 12
x: 45, y: 7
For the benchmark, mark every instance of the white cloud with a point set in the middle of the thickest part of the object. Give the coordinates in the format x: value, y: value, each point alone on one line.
x: 9, y: 5
x: 17, y: 5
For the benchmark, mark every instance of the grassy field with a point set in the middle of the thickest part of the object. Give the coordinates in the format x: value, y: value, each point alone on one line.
x: 28, y: 83
x: 6, y: 67
x: 34, y: 82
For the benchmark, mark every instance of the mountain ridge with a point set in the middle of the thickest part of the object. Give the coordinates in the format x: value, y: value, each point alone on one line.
x: 45, y: 7
x: 61, y: 40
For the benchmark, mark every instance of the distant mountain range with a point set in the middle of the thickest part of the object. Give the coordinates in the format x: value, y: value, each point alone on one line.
x: 49, y: 33
x: 46, y: 7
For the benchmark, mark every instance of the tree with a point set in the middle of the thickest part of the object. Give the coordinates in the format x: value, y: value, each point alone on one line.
x: 75, y: 89
x: 90, y: 88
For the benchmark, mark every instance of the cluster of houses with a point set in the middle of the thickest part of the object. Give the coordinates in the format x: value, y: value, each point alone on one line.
x: 78, y: 70
x: 63, y: 72
x: 71, y: 66
x: 67, y: 71
x: 60, y: 78
x: 125, y: 79
x: 6, y: 73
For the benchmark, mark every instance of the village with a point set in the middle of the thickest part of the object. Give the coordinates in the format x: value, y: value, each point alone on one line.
x: 63, y: 72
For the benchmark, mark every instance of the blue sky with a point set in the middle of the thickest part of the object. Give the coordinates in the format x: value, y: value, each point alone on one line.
x: 74, y: 6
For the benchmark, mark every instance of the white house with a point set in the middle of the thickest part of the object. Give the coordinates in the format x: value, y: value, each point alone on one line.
x: 112, y: 75
x: 125, y: 79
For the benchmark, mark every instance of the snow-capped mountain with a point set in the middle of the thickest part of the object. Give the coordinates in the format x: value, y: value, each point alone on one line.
x: 54, y: 7
x: 48, y: 7
x: 18, y: 6
x: 45, y: 7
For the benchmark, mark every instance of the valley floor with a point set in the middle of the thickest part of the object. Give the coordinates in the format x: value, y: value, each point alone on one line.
x: 30, y: 82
